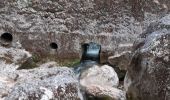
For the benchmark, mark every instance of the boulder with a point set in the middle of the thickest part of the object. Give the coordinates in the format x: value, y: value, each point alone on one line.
x: 120, y: 60
x: 14, y: 55
x: 6, y: 83
x: 148, y: 74
x: 11, y: 58
x: 105, y: 93
x: 100, y: 82
x: 104, y: 55
x: 44, y: 83
x: 99, y: 75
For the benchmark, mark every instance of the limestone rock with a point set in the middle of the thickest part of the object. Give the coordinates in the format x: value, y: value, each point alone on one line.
x: 120, y: 60
x: 44, y: 83
x: 148, y: 73
x: 105, y: 93
x: 99, y: 75
x: 37, y: 23
x: 101, y: 82
x: 120, y: 63
x: 14, y: 55
x: 104, y: 55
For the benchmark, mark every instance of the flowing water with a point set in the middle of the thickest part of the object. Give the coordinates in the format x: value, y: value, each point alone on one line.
x: 90, y: 57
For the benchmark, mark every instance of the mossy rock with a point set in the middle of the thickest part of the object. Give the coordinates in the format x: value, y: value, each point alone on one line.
x: 69, y: 62
x: 28, y: 64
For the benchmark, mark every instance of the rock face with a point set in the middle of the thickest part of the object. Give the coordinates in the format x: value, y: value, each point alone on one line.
x: 120, y: 63
x: 101, y: 82
x: 95, y: 74
x: 36, y: 24
x: 41, y: 83
x: 58, y: 28
x: 105, y: 93
x: 148, y: 73
x: 11, y: 58
x: 14, y: 55
x: 114, y: 24
x: 120, y: 60
x: 45, y: 84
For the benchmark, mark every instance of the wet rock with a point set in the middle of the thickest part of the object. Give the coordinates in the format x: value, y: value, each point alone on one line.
x: 148, y: 73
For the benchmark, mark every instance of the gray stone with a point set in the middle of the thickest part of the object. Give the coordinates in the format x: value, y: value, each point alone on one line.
x: 45, y: 84
x: 37, y: 23
x: 101, y: 82
x: 105, y: 92
x: 94, y: 75
x: 120, y: 60
x: 148, y: 73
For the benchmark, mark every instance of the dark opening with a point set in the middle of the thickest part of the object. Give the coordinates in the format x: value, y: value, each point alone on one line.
x: 91, y: 51
x: 54, y: 45
x: 7, y: 37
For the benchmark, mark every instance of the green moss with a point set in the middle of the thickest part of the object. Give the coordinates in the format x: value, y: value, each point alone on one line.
x: 36, y: 58
x: 31, y: 62
x: 69, y: 62
x: 28, y: 64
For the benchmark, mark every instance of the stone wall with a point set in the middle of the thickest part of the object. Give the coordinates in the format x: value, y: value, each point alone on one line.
x: 36, y: 23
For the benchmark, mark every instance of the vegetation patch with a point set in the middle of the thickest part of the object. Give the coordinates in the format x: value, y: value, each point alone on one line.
x: 36, y: 61
x: 69, y: 62
x: 31, y: 62
x: 28, y: 64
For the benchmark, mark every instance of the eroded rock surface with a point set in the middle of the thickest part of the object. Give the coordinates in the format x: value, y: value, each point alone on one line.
x: 120, y: 60
x: 43, y: 83
x: 96, y: 73
x: 148, y: 73
x: 105, y: 93
x: 101, y: 82
x: 37, y: 23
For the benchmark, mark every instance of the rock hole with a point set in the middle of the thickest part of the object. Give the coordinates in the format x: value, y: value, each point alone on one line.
x: 54, y: 45
x: 7, y: 37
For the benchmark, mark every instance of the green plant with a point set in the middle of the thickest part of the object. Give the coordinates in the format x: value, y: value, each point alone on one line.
x: 36, y: 58
x: 69, y: 62
x: 28, y: 64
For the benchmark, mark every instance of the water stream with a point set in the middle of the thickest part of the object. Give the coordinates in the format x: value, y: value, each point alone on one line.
x: 90, y: 57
